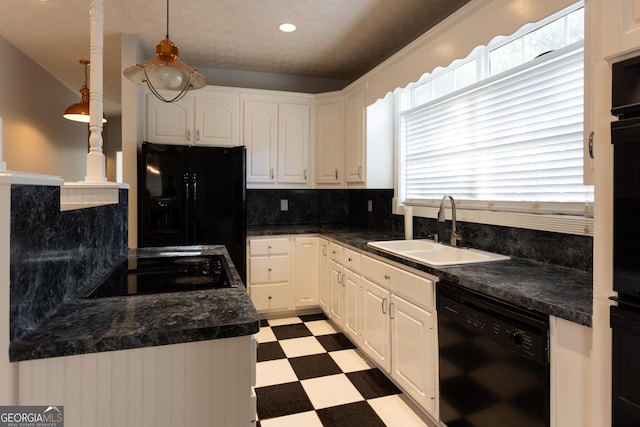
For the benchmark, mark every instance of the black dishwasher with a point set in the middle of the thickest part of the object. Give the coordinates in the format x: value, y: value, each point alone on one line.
x: 493, y: 361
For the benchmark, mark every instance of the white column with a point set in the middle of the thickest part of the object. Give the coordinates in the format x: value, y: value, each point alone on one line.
x: 96, y: 170
x: 3, y: 165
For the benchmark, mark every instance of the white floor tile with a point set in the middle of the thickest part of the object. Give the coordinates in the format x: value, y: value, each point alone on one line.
x: 329, y: 391
x: 274, y: 372
x: 304, y: 346
x: 284, y: 321
x: 265, y: 334
x: 320, y: 327
x: 395, y: 412
x: 350, y: 360
x: 306, y: 419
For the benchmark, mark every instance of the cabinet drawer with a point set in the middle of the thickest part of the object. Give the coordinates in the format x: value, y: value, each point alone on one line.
x: 376, y: 271
x: 352, y: 260
x: 269, y: 269
x: 336, y: 253
x: 416, y: 289
x: 270, y: 297
x: 278, y: 246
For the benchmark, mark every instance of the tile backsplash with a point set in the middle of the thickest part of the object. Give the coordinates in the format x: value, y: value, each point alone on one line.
x: 54, y: 254
x: 351, y: 208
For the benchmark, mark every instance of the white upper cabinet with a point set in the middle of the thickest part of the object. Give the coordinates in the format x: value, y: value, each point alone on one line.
x: 169, y: 123
x: 620, y: 27
x: 369, y: 137
x: 276, y: 132
x: 354, y: 131
x: 217, y: 119
x: 329, y: 139
x: 206, y: 117
x: 260, y: 126
x: 293, y: 143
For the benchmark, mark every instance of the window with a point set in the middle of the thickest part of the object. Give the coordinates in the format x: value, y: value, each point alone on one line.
x: 503, y: 128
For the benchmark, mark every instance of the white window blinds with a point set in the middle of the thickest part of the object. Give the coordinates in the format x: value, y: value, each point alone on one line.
x: 515, y: 137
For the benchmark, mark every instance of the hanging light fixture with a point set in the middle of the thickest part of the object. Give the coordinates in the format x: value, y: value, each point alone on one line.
x: 165, y: 71
x: 80, y: 112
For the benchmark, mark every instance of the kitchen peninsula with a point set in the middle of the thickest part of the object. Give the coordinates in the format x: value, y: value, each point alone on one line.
x: 185, y: 358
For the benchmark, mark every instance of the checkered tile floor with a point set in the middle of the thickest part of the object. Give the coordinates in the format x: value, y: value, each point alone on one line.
x: 310, y: 375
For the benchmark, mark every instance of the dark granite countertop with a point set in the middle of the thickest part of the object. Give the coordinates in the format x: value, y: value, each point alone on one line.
x: 545, y: 288
x: 104, y: 324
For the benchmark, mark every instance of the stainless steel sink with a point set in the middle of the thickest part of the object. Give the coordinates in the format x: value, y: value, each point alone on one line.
x: 435, y: 254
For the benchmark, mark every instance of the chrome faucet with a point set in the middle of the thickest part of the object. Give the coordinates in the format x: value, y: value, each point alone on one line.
x: 454, y: 233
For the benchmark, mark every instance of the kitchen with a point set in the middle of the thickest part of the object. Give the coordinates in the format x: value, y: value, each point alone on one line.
x: 609, y: 45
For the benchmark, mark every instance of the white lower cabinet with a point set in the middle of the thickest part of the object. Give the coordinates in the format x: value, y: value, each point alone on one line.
x: 352, y: 300
x: 399, y: 328
x: 414, y: 351
x: 376, y: 324
x: 269, y: 272
x: 307, y: 271
x: 323, y: 273
x: 337, y: 291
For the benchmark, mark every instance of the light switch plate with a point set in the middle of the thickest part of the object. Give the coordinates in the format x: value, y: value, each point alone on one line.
x: 284, y: 205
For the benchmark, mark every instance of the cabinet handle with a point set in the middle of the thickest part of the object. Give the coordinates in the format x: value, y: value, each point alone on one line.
x: 359, y: 171
x: 591, y: 135
x: 272, y: 173
x: 305, y: 174
x: 340, y: 278
x: 391, y: 311
x: 336, y: 174
x: 197, y: 134
x: 344, y: 283
x: 384, y: 310
x: 188, y: 134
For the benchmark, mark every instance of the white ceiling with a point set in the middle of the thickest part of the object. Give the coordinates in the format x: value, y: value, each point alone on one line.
x: 336, y: 39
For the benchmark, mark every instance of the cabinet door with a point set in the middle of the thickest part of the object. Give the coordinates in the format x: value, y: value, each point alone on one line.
x: 325, y: 277
x: 307, y: 271
x: 414, y: 352
x: 169, y: 123
x: 293, y: 143
x: 337, y: 293
x: 217, y: 119
x: 622, y: 21
x: 260, y: 136
x: 352, y: 297
x: 329, y: 141
x: 354, y: 137
x: 376, y: 334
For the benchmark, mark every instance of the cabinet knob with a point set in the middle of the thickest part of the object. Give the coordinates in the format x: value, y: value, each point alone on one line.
x: 349, y: 259
x: 387, y: 277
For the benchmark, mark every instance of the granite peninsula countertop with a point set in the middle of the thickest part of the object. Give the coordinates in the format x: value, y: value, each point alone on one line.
x: 90, y: 325
x: 562, y: 292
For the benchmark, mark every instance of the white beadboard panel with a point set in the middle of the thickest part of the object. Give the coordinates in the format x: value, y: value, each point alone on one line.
x: 201, y: 384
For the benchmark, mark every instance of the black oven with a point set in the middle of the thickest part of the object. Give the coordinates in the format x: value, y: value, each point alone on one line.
x: 625, y: 316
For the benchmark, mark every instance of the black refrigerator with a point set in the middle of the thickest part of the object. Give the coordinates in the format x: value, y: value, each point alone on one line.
x: 193, y: 196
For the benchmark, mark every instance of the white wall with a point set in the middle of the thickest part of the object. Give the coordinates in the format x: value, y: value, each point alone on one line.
x: 37, y: 138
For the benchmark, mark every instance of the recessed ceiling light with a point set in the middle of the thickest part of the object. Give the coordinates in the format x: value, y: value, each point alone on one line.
x: 287, y: 27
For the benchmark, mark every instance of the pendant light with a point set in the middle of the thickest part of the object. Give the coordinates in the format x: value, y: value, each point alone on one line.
x: 165, y: 71
x: 80, y: 112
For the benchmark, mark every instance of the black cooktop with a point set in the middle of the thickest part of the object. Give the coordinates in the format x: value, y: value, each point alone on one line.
x: 151, y: 275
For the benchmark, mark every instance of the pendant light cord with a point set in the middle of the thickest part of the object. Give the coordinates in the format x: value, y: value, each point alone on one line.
x: 167, y: 18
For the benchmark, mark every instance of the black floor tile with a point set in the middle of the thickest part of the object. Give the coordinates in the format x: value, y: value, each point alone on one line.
x: 335, y: 342
x: 270, y: 351
x: 264, y: 323
x: 282, y: 399
x: 356, y: 414
x: 313, y: 317
x: 296, y: 330
x: 372, y: 383
x: 316, y: 365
